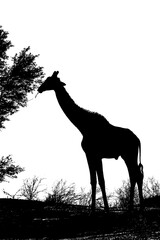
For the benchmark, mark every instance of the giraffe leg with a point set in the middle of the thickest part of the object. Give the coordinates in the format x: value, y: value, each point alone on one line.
x: 136, y: 176
x: 93, y: 181
x: 102, y: 184
x: 132, y: 175
x: 140, y: 185
x: 131, y: 163
x: 133, y: 182
x: 93, y: 185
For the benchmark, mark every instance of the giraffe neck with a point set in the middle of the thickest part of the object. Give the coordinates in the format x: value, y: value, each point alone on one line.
x: 73, y: 112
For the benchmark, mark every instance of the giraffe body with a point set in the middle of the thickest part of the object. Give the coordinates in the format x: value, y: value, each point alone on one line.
x: 100, y: 140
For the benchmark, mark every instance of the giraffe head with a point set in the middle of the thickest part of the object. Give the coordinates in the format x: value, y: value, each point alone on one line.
x: 51, y: 83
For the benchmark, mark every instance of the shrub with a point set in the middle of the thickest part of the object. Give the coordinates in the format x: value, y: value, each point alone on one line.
x: 62, y: 194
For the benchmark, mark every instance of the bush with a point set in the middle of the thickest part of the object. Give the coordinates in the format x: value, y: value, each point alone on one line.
x: 123, y: 195
x: 62, y: 194
x: 151, y: 188
x: 151, y: 193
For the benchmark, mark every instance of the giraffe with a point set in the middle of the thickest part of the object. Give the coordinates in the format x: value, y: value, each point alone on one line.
x: 100, y: 140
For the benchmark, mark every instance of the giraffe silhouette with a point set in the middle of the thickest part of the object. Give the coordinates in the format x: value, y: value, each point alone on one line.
x: 100, y: 140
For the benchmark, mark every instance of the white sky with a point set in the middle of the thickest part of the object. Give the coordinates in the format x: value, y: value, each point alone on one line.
x: 108, y: 54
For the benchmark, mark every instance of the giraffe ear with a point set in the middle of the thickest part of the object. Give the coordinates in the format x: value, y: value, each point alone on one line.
x: 63, y: 84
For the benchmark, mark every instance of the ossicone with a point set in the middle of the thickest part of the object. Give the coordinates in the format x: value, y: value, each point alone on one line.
x: 55, y: 74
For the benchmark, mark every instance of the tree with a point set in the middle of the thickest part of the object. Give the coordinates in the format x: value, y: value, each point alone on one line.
x: 85, y: 198
x: 31, y: 188
x: 8, y: 169
x: 15, y: 195
x: 62, y: 194
x: 151, y: 193
x: 123, y: 195
x: 17, y: 79
x: 151, y: 188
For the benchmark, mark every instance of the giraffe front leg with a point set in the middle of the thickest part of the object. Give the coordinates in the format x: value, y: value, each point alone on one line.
x: 93, y: 182
x: 93, y: 186
x: 102, y: 184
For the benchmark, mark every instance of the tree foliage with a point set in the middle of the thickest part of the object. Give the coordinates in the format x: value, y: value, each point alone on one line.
x: 31, y: 188
x: 8, y: 168
x: 17, y: 79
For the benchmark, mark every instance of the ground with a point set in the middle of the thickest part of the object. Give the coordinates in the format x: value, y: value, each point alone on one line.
x: 21, y: 219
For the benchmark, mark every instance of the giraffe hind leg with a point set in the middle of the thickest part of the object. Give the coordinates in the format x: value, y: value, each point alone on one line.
x: 132, y: 170
x: 136, y: 177
x: 132, y: 188
x: 140, y: 184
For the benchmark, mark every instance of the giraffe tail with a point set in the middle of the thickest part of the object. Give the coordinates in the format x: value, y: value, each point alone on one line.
x: 140, y: 166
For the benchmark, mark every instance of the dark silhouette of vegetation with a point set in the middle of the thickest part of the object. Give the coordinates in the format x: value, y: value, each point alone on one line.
x: 61, y: 217
x: 122, y: 195
x: 31, y: 188
x: 151, y: 192
x: 15, y: 195
x: 17, y: 79
x: 8, y: 169
x: 85, y: 198
x: 19, y: 75
x: 151, y: 187
x: 63, y: 194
